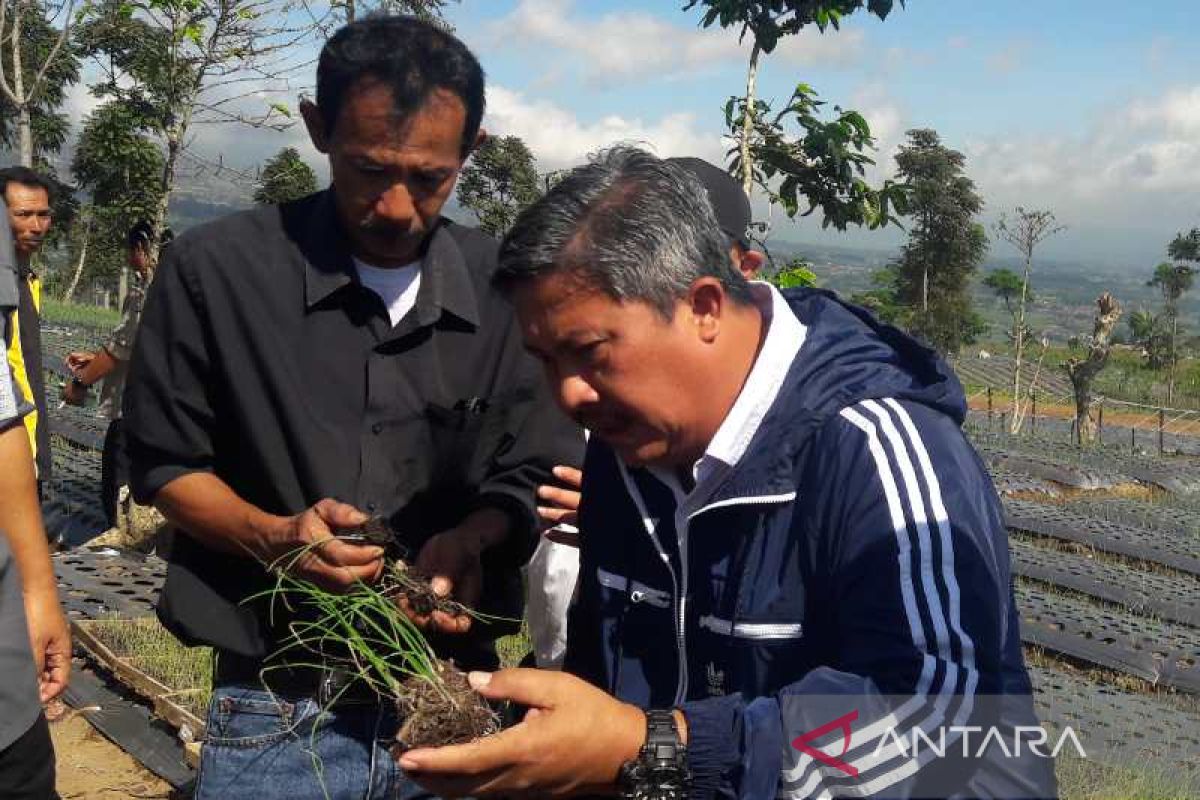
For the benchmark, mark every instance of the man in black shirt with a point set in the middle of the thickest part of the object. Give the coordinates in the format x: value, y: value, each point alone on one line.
x: 299, y: 368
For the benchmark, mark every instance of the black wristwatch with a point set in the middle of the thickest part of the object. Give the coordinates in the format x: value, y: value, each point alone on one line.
x: 660, y: 772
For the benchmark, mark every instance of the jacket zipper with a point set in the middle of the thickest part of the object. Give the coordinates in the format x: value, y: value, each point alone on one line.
x: 677, y: 596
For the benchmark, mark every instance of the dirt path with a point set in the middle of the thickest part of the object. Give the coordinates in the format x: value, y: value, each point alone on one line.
x: 90, y: 766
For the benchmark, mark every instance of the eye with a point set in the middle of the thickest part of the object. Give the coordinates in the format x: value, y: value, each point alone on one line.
x: 428, y: 181
x: 590, y: 352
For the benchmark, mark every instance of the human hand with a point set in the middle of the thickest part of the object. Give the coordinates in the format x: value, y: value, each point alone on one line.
x: 74, y: 394
x: 562, y: 502
x: 559, y: 749
x: 305, y: 545
x: 78, y: 360
x: 450, y: 559
x: 50, y: 638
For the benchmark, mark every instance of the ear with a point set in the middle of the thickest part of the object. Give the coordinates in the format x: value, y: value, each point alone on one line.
x: 315, y: 123
x: 707, y: 301
x: 480, y: 138
x: 750, y: 263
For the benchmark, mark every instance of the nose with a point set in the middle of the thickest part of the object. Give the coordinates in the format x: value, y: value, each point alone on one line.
x: 395, y: 205
x: 574, y: 394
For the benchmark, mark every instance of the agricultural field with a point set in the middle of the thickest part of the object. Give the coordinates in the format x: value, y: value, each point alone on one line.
x: 1105, y: 552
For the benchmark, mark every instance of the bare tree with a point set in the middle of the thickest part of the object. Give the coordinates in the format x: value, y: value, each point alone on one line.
x: 28, y: 71
x: 1025, y: 231
x: 1083, y: 371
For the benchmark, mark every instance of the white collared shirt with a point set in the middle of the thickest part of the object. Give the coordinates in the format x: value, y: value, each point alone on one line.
x: 785, y: 336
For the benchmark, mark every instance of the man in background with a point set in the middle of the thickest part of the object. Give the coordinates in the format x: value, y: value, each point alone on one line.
x: 110, y: 364
x: 35, y: 642
x: 28, y: 196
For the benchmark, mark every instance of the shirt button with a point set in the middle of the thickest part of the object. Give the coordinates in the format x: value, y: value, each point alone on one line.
x: 377, y: 428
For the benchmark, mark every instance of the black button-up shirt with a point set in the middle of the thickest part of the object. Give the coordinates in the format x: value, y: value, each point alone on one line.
x: 262, y: 359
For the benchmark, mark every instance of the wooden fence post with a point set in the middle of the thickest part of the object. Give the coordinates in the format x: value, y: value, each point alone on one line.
x: 1100, y: 423
x: 1162, y: 418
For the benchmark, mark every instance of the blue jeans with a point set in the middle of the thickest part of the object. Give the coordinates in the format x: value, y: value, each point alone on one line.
x: 264, y: 746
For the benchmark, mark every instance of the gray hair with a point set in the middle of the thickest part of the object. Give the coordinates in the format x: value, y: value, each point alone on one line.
x: 629, y: 224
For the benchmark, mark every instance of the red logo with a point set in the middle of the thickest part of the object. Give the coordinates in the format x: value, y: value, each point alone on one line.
x: 801, y: 743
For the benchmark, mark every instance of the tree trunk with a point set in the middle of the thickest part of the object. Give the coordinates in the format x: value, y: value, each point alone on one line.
x: 748, y: 121
x: 1171, y: 366
x: 24, y: 121
x: 925, y: 289
x: 1083, y: 372
x: 1019, y: 340
x: 83, y: 248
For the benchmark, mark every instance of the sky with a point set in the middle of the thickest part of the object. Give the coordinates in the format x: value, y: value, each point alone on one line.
x: 1090, y: 109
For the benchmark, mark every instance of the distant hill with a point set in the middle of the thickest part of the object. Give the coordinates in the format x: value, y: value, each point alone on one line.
x: 1065, y: 291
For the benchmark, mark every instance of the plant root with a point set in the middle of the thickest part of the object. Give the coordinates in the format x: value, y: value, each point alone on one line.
x: 439, y: 714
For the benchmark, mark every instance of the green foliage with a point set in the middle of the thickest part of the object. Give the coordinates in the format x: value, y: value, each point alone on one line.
x: 121, y: 168
x: 771, y: 20
x: 38, y: 36
x: 1152, y: 335
x: 284, y: 177
x: 117, y: 163
x: 796, y: 273
x: 80, y: 315
x: 881, y: 299
x: 1007, y: 286
x: 824, y: 163
x: 1173, y: 280
x: 499, y: 183
x: 1185, y: 246
x: 141, y: 63
x: 945, y: 244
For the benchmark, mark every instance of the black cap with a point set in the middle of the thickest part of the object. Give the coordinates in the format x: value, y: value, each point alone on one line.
x: 729, y: 202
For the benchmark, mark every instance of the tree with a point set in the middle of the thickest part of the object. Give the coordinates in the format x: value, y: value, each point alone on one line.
x: 826, y: 162
x: 499, y: 182
x: 1185, y: 246
x: 882, y: 299
x: 285, y: 177
x: 1173, y: 280
x: 37, y: 64
x: 1007, y: 285
x: 175, y: 64
x: 1025, y: 231
x: 945, y: 244
x: 121, y: 168
x: 1146, y: 331
x: 1083, y: 371
x: 795, y: 273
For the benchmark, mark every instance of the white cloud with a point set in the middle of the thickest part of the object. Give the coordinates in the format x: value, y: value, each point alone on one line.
x: 622, y: 46
x: 558, y: 138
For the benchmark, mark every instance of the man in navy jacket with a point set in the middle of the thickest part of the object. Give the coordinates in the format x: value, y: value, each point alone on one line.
x: 791, y: 553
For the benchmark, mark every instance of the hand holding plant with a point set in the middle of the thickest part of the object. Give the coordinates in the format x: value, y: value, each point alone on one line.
x: 307, y: 547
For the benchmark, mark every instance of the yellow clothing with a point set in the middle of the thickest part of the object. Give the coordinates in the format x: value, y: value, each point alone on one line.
x: 16, y: 361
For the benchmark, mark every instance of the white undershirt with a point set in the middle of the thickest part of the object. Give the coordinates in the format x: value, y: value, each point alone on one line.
x: 396, y: 286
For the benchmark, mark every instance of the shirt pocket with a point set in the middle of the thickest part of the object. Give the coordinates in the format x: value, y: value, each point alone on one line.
x: 469, y: 436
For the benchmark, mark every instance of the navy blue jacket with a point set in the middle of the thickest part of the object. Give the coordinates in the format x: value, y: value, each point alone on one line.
x: 849, y: 580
